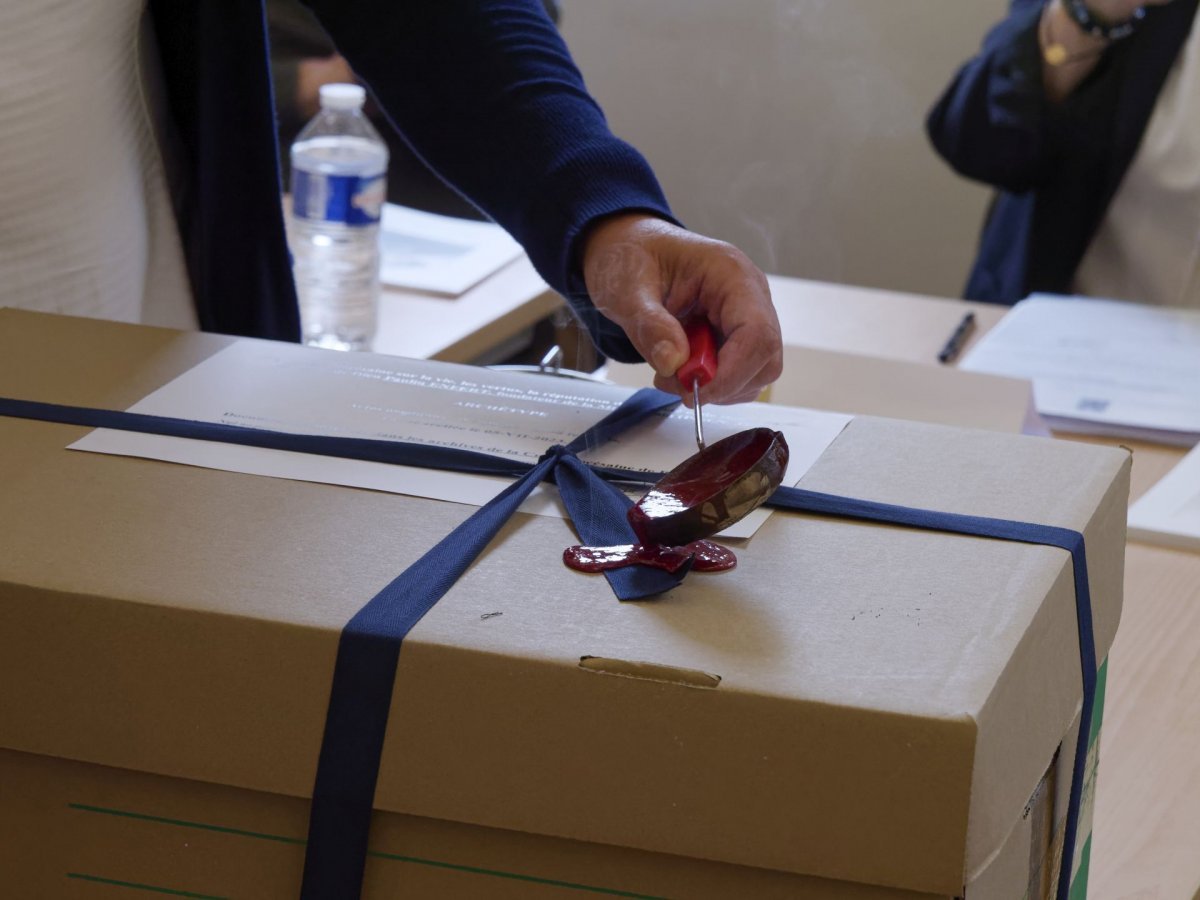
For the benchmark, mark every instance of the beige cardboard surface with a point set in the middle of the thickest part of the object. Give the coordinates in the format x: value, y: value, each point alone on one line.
x: 873, y: 386
x: 879, y: 688
x: 115, y: 829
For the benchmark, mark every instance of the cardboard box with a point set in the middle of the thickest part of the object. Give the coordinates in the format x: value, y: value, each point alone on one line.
x: 869, y: 385
x: 856, y: 711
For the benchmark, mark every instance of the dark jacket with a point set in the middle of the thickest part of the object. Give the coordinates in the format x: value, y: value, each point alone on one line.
x: 1057, y: 167
x: 295, y: 36
x: 484, y: 90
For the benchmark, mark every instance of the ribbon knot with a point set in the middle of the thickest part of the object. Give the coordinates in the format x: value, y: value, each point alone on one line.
x: 555, y: 454
x: 369, y: 649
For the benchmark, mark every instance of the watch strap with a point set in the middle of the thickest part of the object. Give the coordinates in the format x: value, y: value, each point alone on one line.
x: 1089, y: 22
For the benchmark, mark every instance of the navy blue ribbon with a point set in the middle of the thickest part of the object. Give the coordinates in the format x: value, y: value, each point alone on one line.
x: 369, y: 647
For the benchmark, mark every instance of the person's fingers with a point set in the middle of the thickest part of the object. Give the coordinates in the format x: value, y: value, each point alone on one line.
x: 751, y: 357
x: 713, y: 280
x: 646, y: 275
x: 654, y: 332
x: 627, y: 285
x: 735, y: 297
x: 671, y: 386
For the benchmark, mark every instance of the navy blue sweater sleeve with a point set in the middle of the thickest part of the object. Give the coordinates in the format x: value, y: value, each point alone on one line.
x: 486, y: 92
x: 994, y: 123
x: 989, y: 123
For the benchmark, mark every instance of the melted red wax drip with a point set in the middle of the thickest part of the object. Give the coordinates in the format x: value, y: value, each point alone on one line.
x: 705, y: 555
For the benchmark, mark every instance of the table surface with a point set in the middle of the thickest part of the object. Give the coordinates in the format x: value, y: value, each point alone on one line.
x: 872, y: 322
x: 1146, y: 838
x: 469, y: 327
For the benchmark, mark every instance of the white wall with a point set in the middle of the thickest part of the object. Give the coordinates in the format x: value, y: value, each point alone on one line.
x: 795, y: 128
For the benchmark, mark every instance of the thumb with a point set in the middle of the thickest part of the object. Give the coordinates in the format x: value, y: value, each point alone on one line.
x: 655, y: 333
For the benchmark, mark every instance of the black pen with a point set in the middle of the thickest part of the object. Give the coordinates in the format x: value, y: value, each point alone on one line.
x: 955, y: 344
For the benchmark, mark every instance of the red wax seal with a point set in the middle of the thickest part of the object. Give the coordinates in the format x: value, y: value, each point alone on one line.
x: 705, y: 556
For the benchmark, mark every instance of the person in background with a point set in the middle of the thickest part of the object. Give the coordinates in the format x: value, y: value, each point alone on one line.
x: 1083, y: 114
x: 302, y: 59
x: 141, y: 179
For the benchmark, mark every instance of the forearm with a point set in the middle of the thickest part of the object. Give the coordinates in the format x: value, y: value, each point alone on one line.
x: 990, y: 123
x: 1008, y: 121
x: 487, y: 93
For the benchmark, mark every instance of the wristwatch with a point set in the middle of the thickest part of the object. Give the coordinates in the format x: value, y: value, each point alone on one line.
x: 1088, y: 21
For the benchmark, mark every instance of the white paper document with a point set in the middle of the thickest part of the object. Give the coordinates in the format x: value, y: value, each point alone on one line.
x: 440, y: 254
x: 1101, y: 366
x: 1169, y: 513
x: 284, y: 387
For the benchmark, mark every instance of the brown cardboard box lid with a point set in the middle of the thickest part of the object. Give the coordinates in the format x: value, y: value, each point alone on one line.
x: 816, y: 378
x: 854, y: 701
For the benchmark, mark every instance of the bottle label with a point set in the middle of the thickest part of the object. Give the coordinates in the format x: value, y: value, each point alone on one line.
x: 345, y: 199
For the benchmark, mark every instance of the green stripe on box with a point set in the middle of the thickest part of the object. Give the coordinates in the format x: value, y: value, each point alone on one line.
x: 1098, y: 702
x: 611, y: 892
x: 162, y: 820
x: 1080, y: 881
x: 1078, y: 884
x: 133, y: 885
x: 262, y: 836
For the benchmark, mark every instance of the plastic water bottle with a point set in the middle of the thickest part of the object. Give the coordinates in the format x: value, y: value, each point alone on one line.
x: 339, y: 166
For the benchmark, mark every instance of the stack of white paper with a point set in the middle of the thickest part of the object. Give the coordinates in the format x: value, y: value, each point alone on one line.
x: 421, y: 251
x: 1169, y: 513
x: 1102, y: 367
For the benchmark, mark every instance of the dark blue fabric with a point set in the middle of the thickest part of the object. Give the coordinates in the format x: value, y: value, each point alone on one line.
x: 394, y: 452
x: 486, y: 93
x: 361, y: 695
x: 369, y: 646
x: 1056, y: 167
x: 484, y: 90
x: 220, y: 147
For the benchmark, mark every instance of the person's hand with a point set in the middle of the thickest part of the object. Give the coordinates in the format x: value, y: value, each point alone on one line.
x: 314, y: 72
x: 646, y: 274
x: 1070, y: 54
